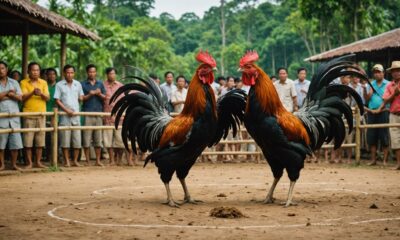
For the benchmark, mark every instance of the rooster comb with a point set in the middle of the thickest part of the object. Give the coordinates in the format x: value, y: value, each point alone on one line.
x: 249, y: 57
x: 206, y: 58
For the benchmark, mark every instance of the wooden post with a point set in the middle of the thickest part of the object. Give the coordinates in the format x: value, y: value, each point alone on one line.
x: 55, y: 137
x: 358, y: 136
x: 25, y: 40
x: 63, y: 52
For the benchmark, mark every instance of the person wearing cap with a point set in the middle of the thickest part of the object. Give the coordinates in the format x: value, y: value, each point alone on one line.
x: 392, y: 96
x: 376, y: 114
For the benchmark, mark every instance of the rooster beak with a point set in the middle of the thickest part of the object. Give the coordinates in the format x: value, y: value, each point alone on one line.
x: 215, y: 69
x: 240, y: 70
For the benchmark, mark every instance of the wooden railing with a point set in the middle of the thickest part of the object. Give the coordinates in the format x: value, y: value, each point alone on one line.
x: 55, y: 129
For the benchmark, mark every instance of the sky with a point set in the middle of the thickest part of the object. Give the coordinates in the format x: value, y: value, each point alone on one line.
x: 174, y: 7
x: 177, y: 7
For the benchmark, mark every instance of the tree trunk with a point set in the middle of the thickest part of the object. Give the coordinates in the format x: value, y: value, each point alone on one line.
x: 273, y: 61
x: 223, y: 34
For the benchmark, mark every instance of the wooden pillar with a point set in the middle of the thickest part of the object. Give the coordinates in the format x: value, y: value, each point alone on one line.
x: 25, y: 40
x: 358, y: 136
x: 63, y: 52
x: 55, y: 138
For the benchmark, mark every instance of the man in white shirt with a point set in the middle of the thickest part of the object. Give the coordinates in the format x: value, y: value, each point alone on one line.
x: 168, y: 88
x: 301, y: 84
x: 179, y: 95
x: 286, y: 91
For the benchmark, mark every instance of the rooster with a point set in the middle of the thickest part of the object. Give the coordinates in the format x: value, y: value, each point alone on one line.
x: 176, y: 143
x: 285, y: 138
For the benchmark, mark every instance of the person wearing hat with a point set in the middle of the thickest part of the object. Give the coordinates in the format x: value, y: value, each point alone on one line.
x: 376, y: 114
x: 392, y: 96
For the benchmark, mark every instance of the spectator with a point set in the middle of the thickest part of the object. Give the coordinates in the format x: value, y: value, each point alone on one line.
x: 273, y: 78
x: 222, y: 84
x: 35, y: 95
x: 246, y: 89
x: 112, y: 139
x: 179, y: 95
x: 168, y: 88
x: 392, y: 96
x: 377, y: 113
x: 93, y: 102
x: 356, y: 85
x: 68, y: 94
x: 16, y: 75
x: 43, y: 74
x: 155, y: 78
x: 230, y: 84
x: 238, y: 83
x: 286, y: 91
x: 345, y: 80
x: 51, y: 77
x: 302, y: 85
x: 215, y: 86
x: 10, y: 96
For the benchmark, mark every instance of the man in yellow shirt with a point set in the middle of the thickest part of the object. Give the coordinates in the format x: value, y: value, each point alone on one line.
x: 35, y: 94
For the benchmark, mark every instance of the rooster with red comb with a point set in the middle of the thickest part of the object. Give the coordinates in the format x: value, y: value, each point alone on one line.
x: 176, y: 143
x: 285, y: 138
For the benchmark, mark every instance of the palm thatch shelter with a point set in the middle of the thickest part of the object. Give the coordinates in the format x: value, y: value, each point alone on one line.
x: 23, y: 17
x: 382, y: 48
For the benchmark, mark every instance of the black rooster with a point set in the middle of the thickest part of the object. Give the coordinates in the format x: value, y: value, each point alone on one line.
x: 287, y: 138
x: 177, y: 142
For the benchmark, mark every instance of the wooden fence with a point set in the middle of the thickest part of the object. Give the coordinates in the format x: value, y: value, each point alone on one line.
x: 55, y: 129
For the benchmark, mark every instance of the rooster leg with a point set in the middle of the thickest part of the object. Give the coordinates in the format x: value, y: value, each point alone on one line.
x: 289, y: 201
x: 270, y: 196
x: 170, y: 202
x: 188, y: 198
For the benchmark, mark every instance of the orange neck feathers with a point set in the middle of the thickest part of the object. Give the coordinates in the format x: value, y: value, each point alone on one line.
x: 195, y: 103
x: 271, y: 104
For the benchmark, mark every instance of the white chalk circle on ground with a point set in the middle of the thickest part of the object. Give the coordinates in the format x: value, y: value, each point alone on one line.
x: 326, y: 222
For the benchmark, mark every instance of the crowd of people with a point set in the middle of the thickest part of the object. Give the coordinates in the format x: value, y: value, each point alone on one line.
x: 41, y: 92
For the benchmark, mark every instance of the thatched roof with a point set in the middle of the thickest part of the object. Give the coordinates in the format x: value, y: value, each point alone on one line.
x: 14, y: 14
x: 377, y: 48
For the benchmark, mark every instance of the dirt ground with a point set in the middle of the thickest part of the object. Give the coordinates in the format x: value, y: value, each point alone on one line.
x: 335, y: 202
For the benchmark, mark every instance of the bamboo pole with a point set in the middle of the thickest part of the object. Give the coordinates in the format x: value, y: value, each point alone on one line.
x: 25, y: 114
x: 55, y: 138
x: 67, y: 128
x: 95, y: 114
x: 358, y: 137
x: 25, y: 130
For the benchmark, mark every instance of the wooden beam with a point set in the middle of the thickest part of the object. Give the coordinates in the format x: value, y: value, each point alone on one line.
x: 63, y: 52
x: 25, y: 41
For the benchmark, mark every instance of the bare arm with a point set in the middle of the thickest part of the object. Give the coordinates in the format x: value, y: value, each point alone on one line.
x: 101, y: 95
x: 4, y: 95
x: 26, y: 96
x: 367, y: 95
x: 63, y: 107
x: 44, y: 96
x: 14, y: 96
x: 295, y: 107
x: 87, y: 97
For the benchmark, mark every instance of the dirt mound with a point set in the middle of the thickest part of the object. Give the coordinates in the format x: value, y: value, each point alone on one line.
x: 226, y: 212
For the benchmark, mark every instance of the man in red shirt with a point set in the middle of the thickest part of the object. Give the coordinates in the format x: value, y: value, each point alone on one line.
x: 392, y: 96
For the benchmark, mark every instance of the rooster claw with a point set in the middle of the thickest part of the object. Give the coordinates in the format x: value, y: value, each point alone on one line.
x: 268, y: 201
x: 289, y: 203
x: 172, y: 203
x: 191, y: 201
